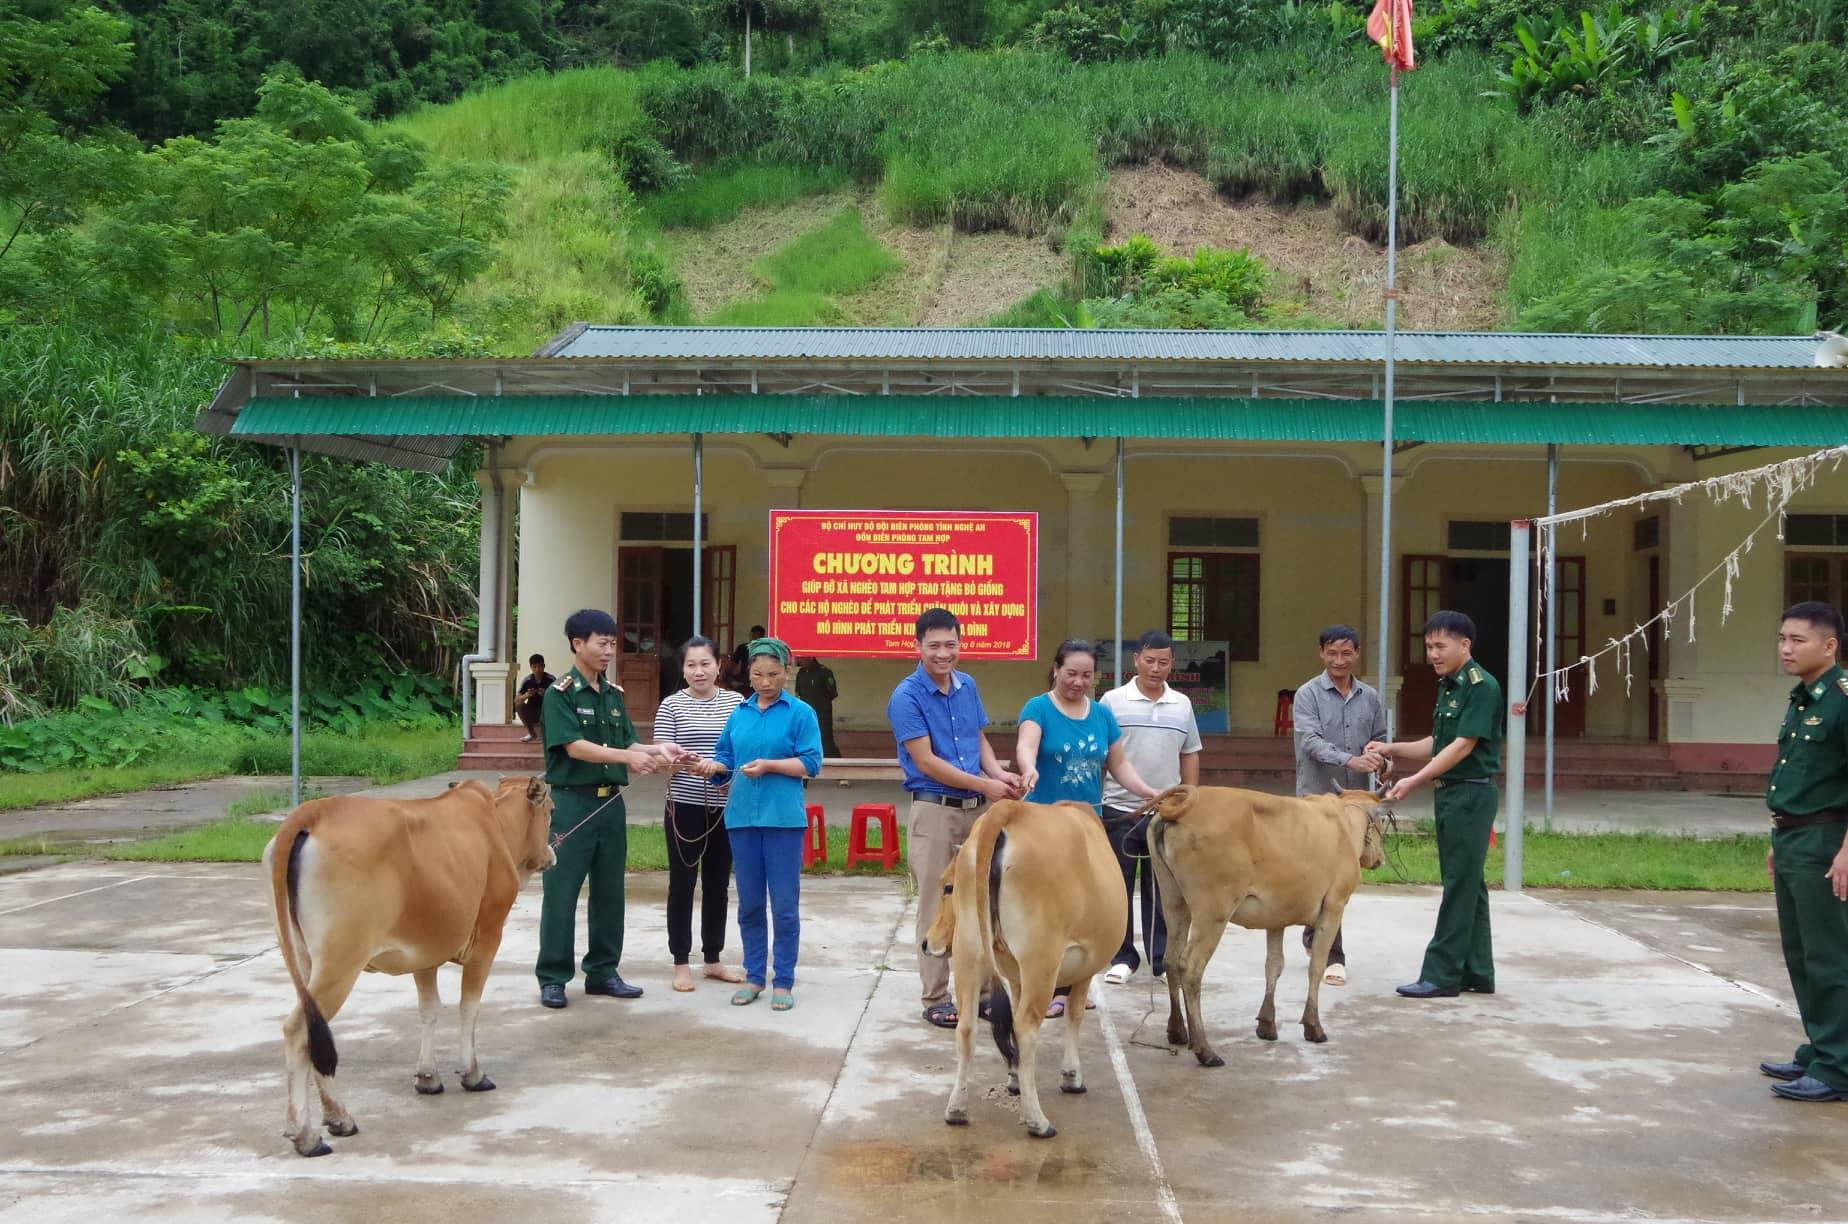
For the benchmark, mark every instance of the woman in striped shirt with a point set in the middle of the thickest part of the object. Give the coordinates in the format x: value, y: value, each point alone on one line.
x: 697, y: 846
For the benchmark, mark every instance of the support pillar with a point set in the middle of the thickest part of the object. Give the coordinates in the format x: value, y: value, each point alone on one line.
x: 1380, y: 654
x: 1088, y: 550
x: 494, y: 676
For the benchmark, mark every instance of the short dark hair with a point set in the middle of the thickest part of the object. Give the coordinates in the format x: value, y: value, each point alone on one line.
x: 757, y: 631
x: 537, y: 660
x: 1154, y: 639
x: 1456, y: 624
x: 587, y: 623
x: 937, y: 618
x: 1821, y: 615
x: 1339, y: 633
x: 696, y: 642
x: 1068, y: 648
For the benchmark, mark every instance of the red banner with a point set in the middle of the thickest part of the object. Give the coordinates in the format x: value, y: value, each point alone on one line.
x: 849, y: 584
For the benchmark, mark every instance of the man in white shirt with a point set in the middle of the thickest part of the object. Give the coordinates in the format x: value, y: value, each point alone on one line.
x: 1336, y: 716
x: 1162, y: 741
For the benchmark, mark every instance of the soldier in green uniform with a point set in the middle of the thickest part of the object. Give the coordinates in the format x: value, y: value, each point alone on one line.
x: 1462, y: 755
x: 1808, y: 862
x: 590, y: 747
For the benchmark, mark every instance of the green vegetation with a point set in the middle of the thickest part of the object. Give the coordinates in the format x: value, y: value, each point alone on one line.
x: 806, y: 274
x: 235, y: 839
x: 722, y: 192
x: 1600, y: 860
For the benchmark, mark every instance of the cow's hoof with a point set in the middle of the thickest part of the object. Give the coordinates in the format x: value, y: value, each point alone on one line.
x: 1267, y: 1032
x: 484, y: 1084
x: 956, y: 1117
x: 1210, y: 1060
x: 319, y: 1149
x: 1318, y: 1036
x: 430, y: 1087
x: 1041, y: 1132
x: 343, y: 1130
x: 1013, y: 1085
x: 1073, y: 1089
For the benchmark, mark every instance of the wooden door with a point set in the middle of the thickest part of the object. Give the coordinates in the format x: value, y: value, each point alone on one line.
x: 1653, y: 640
x: 1568, y: 645
x: 1420, y: 595
x: 638, y: 622
x: 720, y: 582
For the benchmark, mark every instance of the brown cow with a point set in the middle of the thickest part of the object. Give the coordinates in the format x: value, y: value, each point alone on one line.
x: 394, y: 886
x: 1266, y: 862
x: 1039, y: 897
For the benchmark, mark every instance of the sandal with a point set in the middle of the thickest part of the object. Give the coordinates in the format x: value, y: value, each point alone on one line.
x: 943, y: 1014
x: 1056, y: 1010
x: 746, y: 994
x: 782, y: 1000
x: 1336, y: 976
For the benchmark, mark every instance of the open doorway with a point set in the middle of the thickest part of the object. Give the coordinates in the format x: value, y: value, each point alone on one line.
x: 1478, y: 587
x: 654, y: 611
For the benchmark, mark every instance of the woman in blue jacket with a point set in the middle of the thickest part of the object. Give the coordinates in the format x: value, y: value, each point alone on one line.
x: 773, y: 742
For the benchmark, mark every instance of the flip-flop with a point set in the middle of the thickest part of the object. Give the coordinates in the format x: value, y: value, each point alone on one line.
x: 943, y: 1014
x: 1056, y: 1010
x: 1336, y: 976
x: 746, y: 994
x: 782, y: 1000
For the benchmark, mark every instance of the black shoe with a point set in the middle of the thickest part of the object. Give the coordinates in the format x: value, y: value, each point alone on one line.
x: 615, y: 988
x: 1808, y: 1088
x: 1158, y: 968
x: 1478, y: 988
x: 1428, y: 990
x: 1782, y: 1071
x: 552, y: 996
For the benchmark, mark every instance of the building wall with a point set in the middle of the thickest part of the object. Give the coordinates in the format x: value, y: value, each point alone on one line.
x: 1317, y: 567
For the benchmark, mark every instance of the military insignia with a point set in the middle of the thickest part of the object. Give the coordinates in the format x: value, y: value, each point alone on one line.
x: 1475, y: 675
x: 1841, y: 682
x: 564, y: 684
x: 1453, y: 703
x: 1814, y: 720
x: 1817, y: 691
x: 586, y: 713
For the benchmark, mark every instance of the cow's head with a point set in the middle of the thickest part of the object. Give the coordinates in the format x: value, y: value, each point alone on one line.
x: 1367, y: 825
x: 525, y: 809
x: 942, y: 931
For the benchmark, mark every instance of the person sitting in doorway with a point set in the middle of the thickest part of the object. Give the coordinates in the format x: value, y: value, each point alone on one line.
x: 531, y: 697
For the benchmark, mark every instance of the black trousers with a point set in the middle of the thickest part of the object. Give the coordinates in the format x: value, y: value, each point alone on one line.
x: 697, y: 850
x: 1117, y: 824
x: 1336, y: 955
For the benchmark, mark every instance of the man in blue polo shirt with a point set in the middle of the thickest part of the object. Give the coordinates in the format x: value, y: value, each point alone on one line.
x: 950, y: 773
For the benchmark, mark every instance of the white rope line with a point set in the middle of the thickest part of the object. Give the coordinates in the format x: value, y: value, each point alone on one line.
x: 1783, y: 478
x: 1782, y: 481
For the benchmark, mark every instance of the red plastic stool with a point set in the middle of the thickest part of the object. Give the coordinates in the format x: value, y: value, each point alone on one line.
x: 815, y: 841
x: 886, y: 851
x: 1284, y: 722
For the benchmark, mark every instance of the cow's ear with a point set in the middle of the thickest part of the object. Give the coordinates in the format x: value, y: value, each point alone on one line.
x: 535, y: 790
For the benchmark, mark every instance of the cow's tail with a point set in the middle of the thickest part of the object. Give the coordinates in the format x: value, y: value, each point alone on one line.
x: 285, y: 885
x: 1000, y: 1007
x: 1164, y: 808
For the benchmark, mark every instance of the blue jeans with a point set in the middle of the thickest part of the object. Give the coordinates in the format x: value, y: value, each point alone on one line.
x: 768, y: 861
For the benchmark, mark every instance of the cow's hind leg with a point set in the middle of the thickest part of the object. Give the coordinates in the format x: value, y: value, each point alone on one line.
x: 1273, y: 969
x: 1071, y: 1078
x: 429, y: 1006
x: 1202, y: 941
x: 1037, y: 980
x: 967, y: 972
x: 303, y: 1126
x: 474, y: 979
x: 331, y: 991
x: 1179, y: 918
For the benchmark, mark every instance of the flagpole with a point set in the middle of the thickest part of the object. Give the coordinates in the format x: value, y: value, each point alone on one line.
x: 1383, y: 644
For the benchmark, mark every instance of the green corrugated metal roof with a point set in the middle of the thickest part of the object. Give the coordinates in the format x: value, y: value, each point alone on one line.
x: 980, y: 416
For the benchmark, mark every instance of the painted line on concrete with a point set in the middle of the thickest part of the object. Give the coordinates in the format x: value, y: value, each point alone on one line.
x: 1739, y: 983
x: 20, y: 909
x: 1138, y: 1120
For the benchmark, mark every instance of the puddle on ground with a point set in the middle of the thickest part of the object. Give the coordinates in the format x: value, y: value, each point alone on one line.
x: 963, y: 1163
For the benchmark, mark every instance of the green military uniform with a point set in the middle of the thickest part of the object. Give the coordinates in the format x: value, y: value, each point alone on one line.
x: 599, y: 846
x: 1469, y: 705
x: 1808, y: 798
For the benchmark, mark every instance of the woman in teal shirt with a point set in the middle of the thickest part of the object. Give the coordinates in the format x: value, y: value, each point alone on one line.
x: 1067, y: 742
x: 774, y: 743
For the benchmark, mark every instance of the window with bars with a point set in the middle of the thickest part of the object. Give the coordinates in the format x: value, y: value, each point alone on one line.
x: 1213, y: 597
x: 1816, y: 530
x: 1470, y: 535
x: 1816, y: 575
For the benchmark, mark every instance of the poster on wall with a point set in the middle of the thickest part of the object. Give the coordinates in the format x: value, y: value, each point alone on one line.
x: 1199, y: 674
x: 849, y: 584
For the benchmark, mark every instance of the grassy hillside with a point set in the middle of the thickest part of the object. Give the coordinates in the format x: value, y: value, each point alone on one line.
x: 1023, y: 141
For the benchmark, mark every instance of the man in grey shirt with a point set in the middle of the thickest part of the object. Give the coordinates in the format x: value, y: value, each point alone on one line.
x: 1336, y: 716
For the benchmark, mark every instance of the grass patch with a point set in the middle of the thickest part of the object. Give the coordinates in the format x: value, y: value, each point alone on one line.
x: 776, y: 309
x: 383, y: 754
x: 717, y: 195
x: 235, y: 839
x: 1600, y: 860
x: 531, y: 119
x: 838, y: 256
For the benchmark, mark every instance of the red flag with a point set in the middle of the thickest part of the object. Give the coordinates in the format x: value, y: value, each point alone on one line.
x: 1391, y: 27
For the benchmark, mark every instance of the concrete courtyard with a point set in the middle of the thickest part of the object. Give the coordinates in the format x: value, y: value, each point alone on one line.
x: 1613, y: 1077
